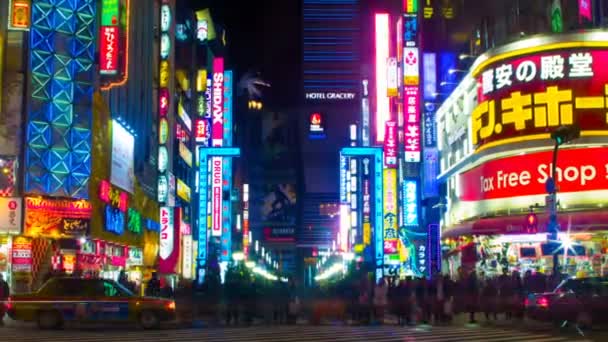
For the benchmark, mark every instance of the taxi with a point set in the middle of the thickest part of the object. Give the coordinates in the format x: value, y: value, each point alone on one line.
x: 63, y: 299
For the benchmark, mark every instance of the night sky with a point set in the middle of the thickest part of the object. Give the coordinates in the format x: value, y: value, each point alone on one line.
x: 263, y: 36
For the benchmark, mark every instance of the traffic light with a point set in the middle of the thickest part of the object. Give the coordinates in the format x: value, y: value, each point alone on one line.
x: 531, y: 223
x: 565, y: 134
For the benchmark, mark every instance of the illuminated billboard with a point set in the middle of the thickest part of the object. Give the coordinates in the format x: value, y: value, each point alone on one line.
x: 382, y: 112
x: 412, y: 123
x: 19, y: 14
x: 389, y: 181
x: 524, y: 175
x: 390, y: 145
x: 525, y: 94
x: 217, y: 96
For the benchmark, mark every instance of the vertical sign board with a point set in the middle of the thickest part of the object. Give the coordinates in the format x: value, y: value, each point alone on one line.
x: 382, y: 111
x: 203, y: 179
x: 164, y: 100
x: 390, y: 145
x: 366, y: 199
x: 19, y: 15
x: 217, y: 139
x: 110, y: 37
x: 343, y: 179
x: 226, y: 238
x: 167, y: 253
x: 412, y: 124
x: 390, y: 212
x: 417, y: 235
x: 379, y: 215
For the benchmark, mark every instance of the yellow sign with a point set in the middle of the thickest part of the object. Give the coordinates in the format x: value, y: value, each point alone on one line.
x: 163, y: 80
x: 183, y: 190
x: 19, y: 14
x: 201, y: 80
x: 205, y: 15
x: 367, y: 233
x: 390, y: 204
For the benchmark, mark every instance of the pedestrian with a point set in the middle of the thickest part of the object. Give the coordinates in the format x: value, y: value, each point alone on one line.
x: 489, y: 302
x: 380, y: 300
x: 153, y: 287
x: 4, y: 294
x: 505, y: 289
x: 517, y: 299
x: 439, y: 298
x: 422, y: 301
x: 472, y: 295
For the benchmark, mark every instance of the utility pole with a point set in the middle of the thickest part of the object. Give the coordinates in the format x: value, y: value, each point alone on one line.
x: 561, y: 135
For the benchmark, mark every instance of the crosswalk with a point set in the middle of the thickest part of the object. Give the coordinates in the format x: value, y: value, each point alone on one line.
x: 284, y: 334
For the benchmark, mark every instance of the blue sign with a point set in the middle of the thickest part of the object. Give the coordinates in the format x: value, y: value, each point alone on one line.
x: 114, y: 220
x: 377, y: 224
x: 410, y: 202
x: 228, y: 121
x: 429, y: 75
x: 430, y: 172
x: 343, y: 180
x: 410, y: 28
x: 152, y: 225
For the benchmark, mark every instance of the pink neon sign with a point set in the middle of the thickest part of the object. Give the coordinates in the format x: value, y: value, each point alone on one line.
x: 217, y: 100
x: 383, y: 113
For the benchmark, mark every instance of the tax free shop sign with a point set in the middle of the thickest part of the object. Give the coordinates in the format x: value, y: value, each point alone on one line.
x: 578, y: 170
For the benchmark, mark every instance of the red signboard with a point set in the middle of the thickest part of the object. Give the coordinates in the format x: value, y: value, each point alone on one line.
x: 114, y: 197
x: 201, y: 130
x: 526, y: 97
x: 217, y: 100
x: 390, y: 144
x: 523, y: 175
x: 108, y: 54
x: 411, y: 105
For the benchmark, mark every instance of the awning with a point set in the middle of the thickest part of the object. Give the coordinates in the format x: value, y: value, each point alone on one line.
x: 578, y: 221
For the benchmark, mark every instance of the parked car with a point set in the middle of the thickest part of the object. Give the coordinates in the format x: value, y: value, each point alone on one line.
x: 64, y: 299
x: 583, y: 301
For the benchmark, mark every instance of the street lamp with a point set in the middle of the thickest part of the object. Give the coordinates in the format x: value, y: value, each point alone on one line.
x: 444, y: 83
x: 453, y: 71
x: 561, y: 135
x: 463, y: 56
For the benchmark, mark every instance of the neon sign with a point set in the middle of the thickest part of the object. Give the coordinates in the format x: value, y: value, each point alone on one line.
x: 19, y: 14
x: 412, y: 124
x: 167, y: 233
x: 390, y: 145
x: 113, y: 197
x: 217, y: 126
x: 383, y: 113
x: 109, y: 37
x: 524, y: 97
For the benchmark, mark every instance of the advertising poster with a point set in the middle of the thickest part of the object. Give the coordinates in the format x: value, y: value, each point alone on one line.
x: 21, y: 257
x: 390, y: 212
x: 123, y: 165
x: 51, y: 217
x: 10, y: 215
x: 11, y: 108
x: 414, y: 238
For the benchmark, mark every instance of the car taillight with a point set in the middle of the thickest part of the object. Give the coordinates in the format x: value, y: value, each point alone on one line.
x: 542, y: 302
x: 171, y: 306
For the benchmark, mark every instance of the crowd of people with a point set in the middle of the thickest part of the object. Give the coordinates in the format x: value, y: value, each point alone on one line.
x: 440, y: 297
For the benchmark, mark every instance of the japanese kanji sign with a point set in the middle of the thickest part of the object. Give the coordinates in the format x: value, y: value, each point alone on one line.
x: 390, y: 210
x: 526, y: 96
x: 411, y: 104
x: 108, y: 54
x: 390, y: 145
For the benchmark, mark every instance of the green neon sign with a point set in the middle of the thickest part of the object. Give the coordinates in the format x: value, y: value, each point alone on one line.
x: 110, y: 12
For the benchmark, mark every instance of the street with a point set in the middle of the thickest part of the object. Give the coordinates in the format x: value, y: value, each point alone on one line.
x: 334, y: 333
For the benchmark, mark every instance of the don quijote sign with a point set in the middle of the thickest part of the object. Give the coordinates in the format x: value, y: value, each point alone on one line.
x: 523, y: 175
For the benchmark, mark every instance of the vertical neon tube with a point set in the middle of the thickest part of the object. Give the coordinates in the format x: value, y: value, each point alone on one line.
x: 382, y: 51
